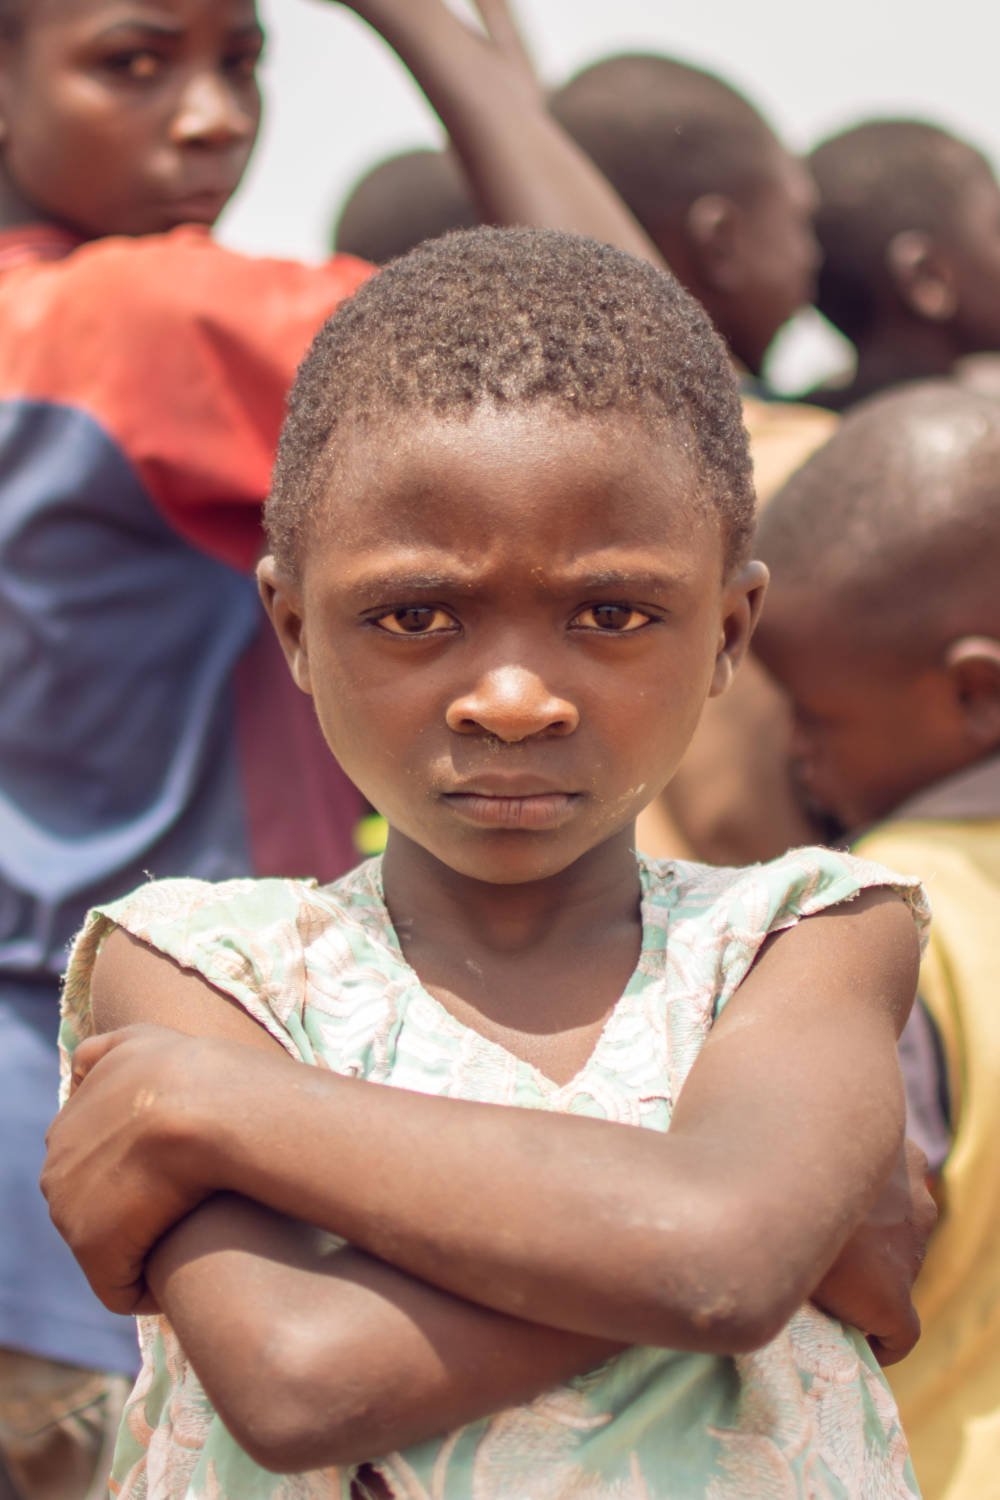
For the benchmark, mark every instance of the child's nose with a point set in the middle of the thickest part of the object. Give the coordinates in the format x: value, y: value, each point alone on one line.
x: 512, y: 703
x: 210, y: 113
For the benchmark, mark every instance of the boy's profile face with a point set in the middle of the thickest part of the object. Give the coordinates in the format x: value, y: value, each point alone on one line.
x: 870, y: 729
x: 509, y: 627
x: 974, y: 250
x: 779, y: 257
x: 130, y: 116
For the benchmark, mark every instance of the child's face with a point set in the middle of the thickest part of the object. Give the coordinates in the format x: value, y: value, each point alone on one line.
x: 779, y: 257
x: 509, y: 627
x: 870, y: 730
x: 974, y: 251
x: 130, y: 116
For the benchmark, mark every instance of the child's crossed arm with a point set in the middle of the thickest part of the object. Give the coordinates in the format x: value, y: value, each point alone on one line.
x: 513, y: 1248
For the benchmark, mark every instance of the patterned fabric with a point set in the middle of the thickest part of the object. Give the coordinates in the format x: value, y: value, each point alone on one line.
x: 320, y: 967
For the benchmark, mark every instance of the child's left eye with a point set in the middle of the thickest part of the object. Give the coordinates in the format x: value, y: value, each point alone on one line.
x: 416, y: 619
x: 618, y: 619
x: 137, y: 66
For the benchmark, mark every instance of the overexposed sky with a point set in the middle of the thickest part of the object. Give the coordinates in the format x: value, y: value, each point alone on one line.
x: 337, y: 99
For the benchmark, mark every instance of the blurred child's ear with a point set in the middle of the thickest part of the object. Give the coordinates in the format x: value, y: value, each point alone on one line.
x: 922, y: 276
x: 282, y: 599
x: 743, y: 600
x: 973, y: 664
x: 712, y: 225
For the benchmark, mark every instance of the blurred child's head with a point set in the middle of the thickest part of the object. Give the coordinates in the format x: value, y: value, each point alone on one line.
x: 126, y: 116
x: 883, y: 619
x: 728, y: 206
x: 401, y: 202
x: 510, y: 526
x: 909, y: 226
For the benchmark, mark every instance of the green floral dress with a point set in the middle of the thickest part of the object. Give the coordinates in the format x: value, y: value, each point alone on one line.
x: 809, y: 1415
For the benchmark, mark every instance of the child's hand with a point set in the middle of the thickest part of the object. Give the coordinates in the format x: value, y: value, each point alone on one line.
x: 870, y: 1283
x: 128, y: 1155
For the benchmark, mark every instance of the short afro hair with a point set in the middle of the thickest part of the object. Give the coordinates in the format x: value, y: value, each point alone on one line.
x: 402, y: 201
x: 512, y: 318
x: 665, y: 134
x: 875, y: 181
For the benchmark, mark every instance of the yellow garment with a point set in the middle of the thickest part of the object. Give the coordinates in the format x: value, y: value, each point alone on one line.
x: 948, y: 1390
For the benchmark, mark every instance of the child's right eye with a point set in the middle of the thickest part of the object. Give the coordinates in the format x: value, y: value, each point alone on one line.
x: 416, y: 619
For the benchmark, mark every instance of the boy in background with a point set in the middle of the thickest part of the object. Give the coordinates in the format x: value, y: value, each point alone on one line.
x: 883, y: 626
x: 909, y: 225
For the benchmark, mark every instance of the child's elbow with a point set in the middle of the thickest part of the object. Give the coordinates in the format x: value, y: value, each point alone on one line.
x: 732, y: 1298
x: 295, y: 1420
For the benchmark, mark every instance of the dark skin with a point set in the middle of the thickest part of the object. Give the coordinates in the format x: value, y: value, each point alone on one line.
x: 751, y: 261
x: 489, y: 674
x: 127, y: 116
x: 870, y: 729
x: 941, y: 304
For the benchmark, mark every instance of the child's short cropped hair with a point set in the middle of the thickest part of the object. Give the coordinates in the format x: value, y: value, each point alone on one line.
x: 875, y: 181
x: 513, y: 318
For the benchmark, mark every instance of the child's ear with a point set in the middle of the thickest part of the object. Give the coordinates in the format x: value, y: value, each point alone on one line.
x: 282, y: 599
x: 743, y: 600
x: 712, y: 226
x: 922, y: 276
x: 973, y: 663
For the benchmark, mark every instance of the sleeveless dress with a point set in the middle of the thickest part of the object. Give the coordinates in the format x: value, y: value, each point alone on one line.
x: 808, y: 1417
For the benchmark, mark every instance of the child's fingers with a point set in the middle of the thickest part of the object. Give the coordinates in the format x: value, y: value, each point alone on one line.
x: 89, y: 1053
x: 505, y: 34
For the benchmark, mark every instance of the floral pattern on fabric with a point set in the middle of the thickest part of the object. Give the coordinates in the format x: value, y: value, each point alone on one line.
x: 808, y: 1417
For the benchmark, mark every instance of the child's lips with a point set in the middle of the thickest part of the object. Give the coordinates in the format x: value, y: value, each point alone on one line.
x: 533, y: 811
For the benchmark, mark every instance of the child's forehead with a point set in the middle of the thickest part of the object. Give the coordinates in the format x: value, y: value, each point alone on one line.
x: 604, y: 473
x: 170, y: 13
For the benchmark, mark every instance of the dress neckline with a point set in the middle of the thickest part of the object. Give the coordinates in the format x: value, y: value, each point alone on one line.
x: 653, y: 916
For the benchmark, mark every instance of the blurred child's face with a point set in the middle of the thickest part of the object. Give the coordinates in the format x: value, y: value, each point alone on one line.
x: 779, y: 257
x: 974, y: 250
x: 130, y: 116
x: 870, y: 730
x: 509, y: 627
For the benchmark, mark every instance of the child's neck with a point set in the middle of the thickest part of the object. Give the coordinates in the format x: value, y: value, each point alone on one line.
x: 534, y: 967
x: 903, y: 350
x: 598, y: 890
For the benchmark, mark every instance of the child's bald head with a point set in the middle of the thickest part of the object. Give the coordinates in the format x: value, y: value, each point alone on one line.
x: 402, y: 201
x: 883, y: 620
x: 897, y: 518
x: 908, y: 223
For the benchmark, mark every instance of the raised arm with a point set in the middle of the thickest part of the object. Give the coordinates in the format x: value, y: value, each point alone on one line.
x: 522, y: 167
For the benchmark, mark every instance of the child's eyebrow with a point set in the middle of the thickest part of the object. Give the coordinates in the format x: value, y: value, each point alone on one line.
x: 627, y: 578
x: 167, y: 31
x: 577, y: 581
x: 410, y: 582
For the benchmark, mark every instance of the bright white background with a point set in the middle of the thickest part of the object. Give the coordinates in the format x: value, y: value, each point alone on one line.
x: 337, y: 100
